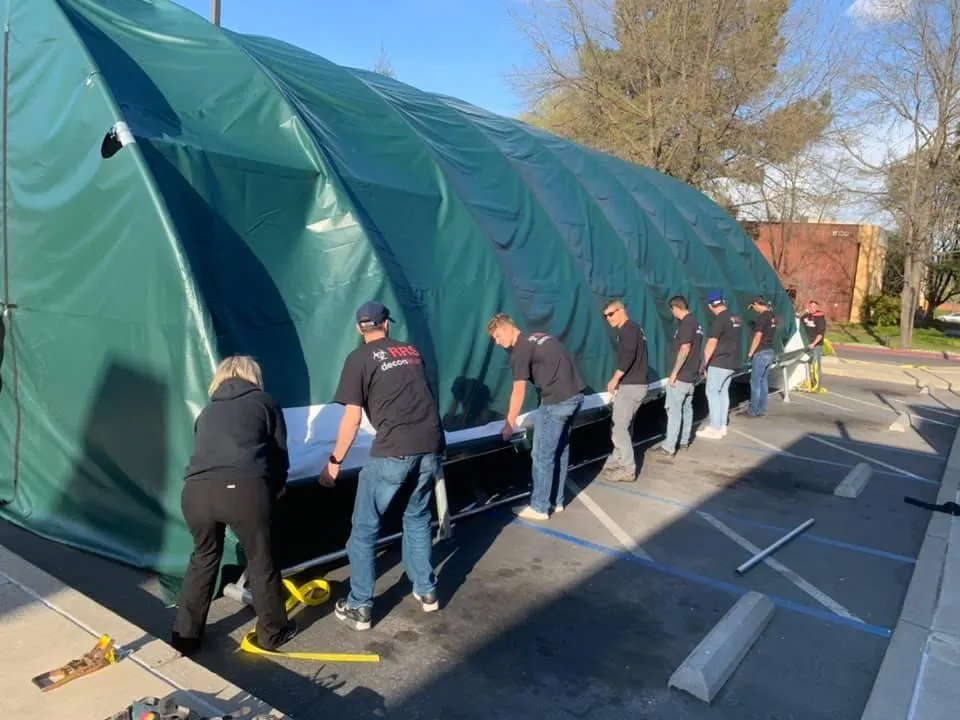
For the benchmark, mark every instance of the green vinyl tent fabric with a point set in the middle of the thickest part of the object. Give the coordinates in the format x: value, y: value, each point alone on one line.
x: 261, y: 194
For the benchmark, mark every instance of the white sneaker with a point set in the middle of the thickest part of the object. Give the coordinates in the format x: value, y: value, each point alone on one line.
x: 528, y: 513
x: 428, y: 602
x: 710, y: 433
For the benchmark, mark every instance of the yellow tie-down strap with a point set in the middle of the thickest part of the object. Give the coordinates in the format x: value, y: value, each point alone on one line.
x: 312, y: 593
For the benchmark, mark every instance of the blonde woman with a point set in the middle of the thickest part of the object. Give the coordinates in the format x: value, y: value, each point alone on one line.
x: 239, y: 467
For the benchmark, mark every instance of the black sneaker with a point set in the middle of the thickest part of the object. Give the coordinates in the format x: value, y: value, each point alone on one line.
x: 184, y: 645
x: 288, y: 634
x: 428, y: 601
x: 360, y: 617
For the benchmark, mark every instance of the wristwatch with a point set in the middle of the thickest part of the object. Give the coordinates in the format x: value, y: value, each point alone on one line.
x: 334, y: 461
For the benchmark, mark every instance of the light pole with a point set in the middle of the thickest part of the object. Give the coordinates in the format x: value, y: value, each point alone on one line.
x: 215, y: 12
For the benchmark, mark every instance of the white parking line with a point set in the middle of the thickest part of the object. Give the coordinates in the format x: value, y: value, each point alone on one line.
x: 929, y: 421
x: 821, y: 597
x: 608, y: 522
x: 904, y: 402
x: 786, y: 453
x: 838, y: 407
x: 892, y: 448
x: 867, y: 457
x: 939, y: 411
x: 758, y: 441
x: 876, y: 405
x: 864, y: 402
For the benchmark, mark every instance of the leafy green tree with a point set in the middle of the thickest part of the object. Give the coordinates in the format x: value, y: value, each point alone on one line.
x: 691, y: 88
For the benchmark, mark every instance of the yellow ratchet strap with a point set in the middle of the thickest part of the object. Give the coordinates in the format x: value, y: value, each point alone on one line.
x: 312, y: 593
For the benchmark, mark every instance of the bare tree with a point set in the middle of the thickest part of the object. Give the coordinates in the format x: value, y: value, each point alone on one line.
x: 812, y: 186
x: 792, y: 198
x: 938, y: 188
x: 383, y: 64
x: 704, y: 91
x: 912, y: 80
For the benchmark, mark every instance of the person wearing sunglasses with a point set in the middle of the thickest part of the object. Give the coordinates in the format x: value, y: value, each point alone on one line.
x: 628, y: 388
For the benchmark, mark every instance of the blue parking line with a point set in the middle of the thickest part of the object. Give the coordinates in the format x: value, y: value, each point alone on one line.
x: 785, y: 453
x: 757, y: 524
x: 703, y: 580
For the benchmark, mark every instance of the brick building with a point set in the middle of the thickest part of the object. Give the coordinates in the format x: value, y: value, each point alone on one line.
x: 836, y: 264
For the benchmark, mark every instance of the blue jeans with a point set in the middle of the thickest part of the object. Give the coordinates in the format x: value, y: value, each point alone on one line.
x: 551, y: 451
x: 759, y: 381
x: 816, y: 367
x: 718, y: 396
x: 380, y: 479
x: 679, y: 407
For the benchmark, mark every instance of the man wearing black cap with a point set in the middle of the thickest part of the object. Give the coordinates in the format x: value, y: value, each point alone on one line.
x: 385, y: 379
x: 761, y: 355
x: 722, y: 356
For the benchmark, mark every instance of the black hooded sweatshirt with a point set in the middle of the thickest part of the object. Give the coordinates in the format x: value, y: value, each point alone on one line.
x: 240, y: 434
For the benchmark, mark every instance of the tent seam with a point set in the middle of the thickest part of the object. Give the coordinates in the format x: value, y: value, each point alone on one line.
x: 693, y: 281
x: 599, y: 209
x: 438, y: 166
x: 528, y: 191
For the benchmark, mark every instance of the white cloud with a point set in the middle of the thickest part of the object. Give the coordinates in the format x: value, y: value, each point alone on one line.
x: 879, y: 10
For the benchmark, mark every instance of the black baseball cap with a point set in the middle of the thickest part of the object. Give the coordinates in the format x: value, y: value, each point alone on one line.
x: 759, y: 300
x: 373, y: 313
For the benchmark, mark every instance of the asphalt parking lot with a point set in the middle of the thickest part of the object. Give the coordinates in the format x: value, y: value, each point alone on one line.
x: 587, y: 616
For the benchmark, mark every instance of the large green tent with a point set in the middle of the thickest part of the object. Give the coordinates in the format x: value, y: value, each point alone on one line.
x: 174, y: 192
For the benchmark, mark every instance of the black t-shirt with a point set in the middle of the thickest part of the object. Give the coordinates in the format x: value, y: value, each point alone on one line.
x: 726, y: 328
x: 543, y: 360
x: 766, y: 325
x: 386, y: 378
x: 816, y: 324
x: 632, y: 354
x: 688, y: 331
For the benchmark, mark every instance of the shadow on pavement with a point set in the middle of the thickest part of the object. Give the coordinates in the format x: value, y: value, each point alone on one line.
x: 561, y: 621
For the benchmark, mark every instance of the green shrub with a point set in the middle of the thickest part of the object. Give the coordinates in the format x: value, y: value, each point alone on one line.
x: 881, y: 311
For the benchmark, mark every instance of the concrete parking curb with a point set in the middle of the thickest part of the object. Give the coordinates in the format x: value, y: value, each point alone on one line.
x: 924, y: 642
x: 711, y: 663
x: 854, y: 482
x: 190, y: 683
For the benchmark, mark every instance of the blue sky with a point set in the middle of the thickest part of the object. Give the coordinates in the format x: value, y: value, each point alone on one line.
x: 463, y: 48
